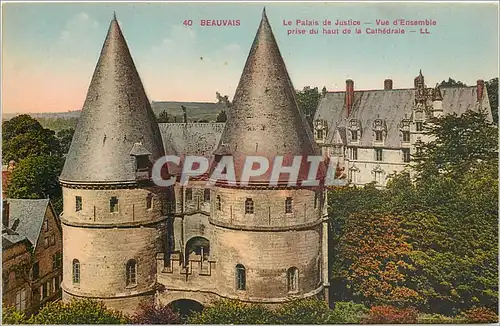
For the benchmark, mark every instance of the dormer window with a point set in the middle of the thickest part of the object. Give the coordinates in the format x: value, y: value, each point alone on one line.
x: 406, y: 136
x: 249, y: 206
x: 419, y: 126
x: 319, y: 134
x: 354, y: 135
x: 379, y: 128
x: 141, y: 155
x: 378, y: 135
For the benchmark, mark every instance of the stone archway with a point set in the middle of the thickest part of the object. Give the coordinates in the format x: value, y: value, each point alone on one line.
x: 186, y: 307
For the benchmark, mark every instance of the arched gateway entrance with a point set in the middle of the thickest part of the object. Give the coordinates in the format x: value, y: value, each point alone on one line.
x: 186, y: 307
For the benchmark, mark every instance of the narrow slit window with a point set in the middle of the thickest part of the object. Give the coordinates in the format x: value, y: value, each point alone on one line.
x: 149, y: 201
x: 288, y: 205
x: 293, y: 279
x: 206, y: 195
x: 78, y: 203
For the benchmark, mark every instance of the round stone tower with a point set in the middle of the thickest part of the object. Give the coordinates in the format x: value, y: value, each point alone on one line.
x: 269, y: 237
x: 113, y: 223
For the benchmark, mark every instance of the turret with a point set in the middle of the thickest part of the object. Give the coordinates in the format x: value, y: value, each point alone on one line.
x: 113, y: 223
x: 269, y: 236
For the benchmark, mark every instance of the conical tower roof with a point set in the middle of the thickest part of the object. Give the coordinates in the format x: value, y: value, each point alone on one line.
x: 116, y: 116
x: 264, y: 118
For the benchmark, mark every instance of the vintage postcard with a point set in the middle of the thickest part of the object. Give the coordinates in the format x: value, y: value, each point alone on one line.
x: 250, y: 162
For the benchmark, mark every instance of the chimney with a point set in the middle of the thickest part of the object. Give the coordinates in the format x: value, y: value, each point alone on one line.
x: 388, y: 84
x: 349, y: 96
x: 5, y: 213
x: 480, y: 90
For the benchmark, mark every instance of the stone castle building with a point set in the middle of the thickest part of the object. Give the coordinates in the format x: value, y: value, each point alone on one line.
x: 126, y: 239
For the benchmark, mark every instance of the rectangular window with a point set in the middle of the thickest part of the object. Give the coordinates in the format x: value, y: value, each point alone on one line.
x: 56, y: 260
x: 52, y: 239
x: 36, y: 271
x: 21, y: 300
x: 189, y: 194
x: 353, y: 153
x: 45, y: 290
x: 249, y: 206
x: 288, y: 205
x: 149, y: 201
x: 406, y: 136
x: 320, y: 134
x: 378, y: 155
x: 206, y: 195
x: 78, y: 203
x: 46, y: 242
x: 57, y: 283
x: 113, y: 205
x: 378, y: 136
x: 406, y: 155
x: 354, y: 135
x: 46, y: 225
x: 378, y: 177
x: 419, y: 126
x: 218, y: 203
x: 353, y: 176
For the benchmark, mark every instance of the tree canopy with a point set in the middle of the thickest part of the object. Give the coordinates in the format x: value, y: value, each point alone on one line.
x: 23, y: 136
x: 429, y: 242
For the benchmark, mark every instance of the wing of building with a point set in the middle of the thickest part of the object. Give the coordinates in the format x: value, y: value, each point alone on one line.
x: 375, y: 132
x: 31, y: 254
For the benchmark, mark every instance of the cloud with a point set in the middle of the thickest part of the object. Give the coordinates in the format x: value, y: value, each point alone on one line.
x: 78, y: 25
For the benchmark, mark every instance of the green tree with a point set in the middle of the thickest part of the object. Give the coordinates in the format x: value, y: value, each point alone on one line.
x: 65, y: 137
x: 36, y: 177
x: 23, y: 136
x: 459, y: 141
x: 227, y: 311
x: 492, y: 89
x: 304, y: 311
x: 308, y: 100
x: 452, y: 83
x: 10, y: 316
x: 163, y: 117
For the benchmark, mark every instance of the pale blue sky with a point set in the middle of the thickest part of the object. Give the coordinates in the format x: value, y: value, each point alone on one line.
x: 50, y: 49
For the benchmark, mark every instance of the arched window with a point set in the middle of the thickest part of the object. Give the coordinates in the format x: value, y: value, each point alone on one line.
x: 76, y: 271
x: 293, y: 279
x: 206, y: 195
x: 131, y: 272
x: 218, y: 203
x: 240, y: 277
x: 249, y: 206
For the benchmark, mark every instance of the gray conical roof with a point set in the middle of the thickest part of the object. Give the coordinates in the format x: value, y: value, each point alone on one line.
x: 264, y: 118
x: 116, y: 115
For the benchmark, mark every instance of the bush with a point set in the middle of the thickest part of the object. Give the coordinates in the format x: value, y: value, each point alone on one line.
x: 304, y: 311
x: 83, y: 311
x: 439, y: 319
x: 149, y: 313
x: 479, y: 315
x: 11, y: 316
x: 348, y: 313
x: 391, y: 315
x: 227, y: 311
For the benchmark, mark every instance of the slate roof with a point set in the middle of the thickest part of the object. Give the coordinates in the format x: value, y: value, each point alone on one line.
x: 391, y: 106
x: 183, y: 139
x: 26, y: 218
x: 264, y: 118
x: 116, y: 115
